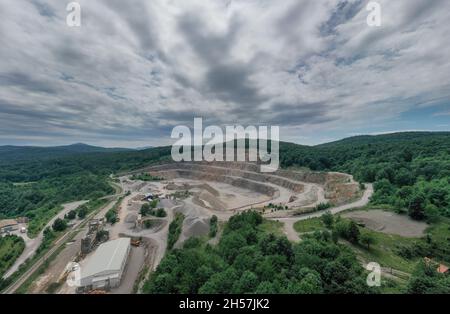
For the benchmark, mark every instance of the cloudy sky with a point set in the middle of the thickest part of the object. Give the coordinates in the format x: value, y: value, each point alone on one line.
x: 134, y: 69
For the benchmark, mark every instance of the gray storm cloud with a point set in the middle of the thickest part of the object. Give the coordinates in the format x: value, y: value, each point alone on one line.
x: 134, y: 69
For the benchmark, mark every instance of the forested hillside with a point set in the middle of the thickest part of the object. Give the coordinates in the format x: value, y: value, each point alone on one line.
x: 248, y: 260
x: 28, y: 188
x: 410, y: 171
x: 15, y: 153
x: 99, y: 163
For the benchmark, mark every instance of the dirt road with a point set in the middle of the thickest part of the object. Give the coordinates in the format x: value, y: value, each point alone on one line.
x: 159, y: 236
x: 61, y: 241
x: 289, y: 222
x: 68, y: 254
x: 31, y: 245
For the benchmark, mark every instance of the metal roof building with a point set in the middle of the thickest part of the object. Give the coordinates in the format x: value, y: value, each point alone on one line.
x: 105, y: 267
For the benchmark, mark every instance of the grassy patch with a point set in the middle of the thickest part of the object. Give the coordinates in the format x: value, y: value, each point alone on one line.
x: 10, y: 249
x: 111, y: 215
x: 309, y: 225
x: 385, y: 251
x: 151, y: 223
x: 440, y: 231
x: 54, y: 286
x: 272, y: 226
x: 389, y: 286
x: 41, y: 217
x: 141, y: 277
x: 439, y: 234
x: 175, y: 230
x: 213, y: 226
x: 49, y: 237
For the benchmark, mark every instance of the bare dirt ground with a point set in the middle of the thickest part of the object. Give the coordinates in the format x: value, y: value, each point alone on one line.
x: 56, y: 268
x: 232, y: 188
x: 388, y: 222
x: 134, y: 265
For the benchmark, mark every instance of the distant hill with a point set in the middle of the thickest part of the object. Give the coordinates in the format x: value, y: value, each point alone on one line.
x: 366, y: 151
x: 389, y: 138
x: 362, y: 156
x: 398, y: 165
x: 22, y: 153
x: 410, y: 173
x: 143, y: 147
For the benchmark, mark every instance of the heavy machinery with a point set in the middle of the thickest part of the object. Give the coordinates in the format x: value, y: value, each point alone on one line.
x: 136, y: 243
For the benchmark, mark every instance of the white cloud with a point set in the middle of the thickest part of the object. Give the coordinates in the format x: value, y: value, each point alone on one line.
x: 134, y: 69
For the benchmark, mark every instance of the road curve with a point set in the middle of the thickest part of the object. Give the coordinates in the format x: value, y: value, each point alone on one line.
x: 61, y: 241
x: 289, y: 222
x: 31, y: 245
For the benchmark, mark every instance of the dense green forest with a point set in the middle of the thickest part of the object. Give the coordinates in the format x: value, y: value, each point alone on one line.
x: 35, y: 188
x: 426, y: 279
x: 10, y: 248
x: 28, y: 153
x: 410, y: 171
x: 97, y: 163
x: 249, y: 260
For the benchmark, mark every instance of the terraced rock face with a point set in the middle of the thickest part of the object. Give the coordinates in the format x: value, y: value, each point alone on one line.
x: 223, y: 189
x: 293, y: 189
x: 206, y: 176
x: 229, y: 175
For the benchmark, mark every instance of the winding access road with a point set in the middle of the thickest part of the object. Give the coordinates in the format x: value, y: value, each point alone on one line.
x: 58, y: 243
x: 289, y: 222
x: 32, y: 244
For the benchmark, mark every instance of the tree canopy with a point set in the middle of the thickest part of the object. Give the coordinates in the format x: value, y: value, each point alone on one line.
x: 248, y: 260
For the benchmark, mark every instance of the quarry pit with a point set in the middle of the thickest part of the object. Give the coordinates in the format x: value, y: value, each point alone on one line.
x: 223, y: 189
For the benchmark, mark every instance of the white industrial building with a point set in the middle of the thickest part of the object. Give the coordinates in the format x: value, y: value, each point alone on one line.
x: 105, y: 267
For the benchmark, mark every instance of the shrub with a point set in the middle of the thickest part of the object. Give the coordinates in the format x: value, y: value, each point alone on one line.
x: 322, y: 206
x: 328, y: 219
x: 111, y: 216
x: 213, y: 226
x: 59, y: 225
x: 175, y: 230
x: 160, y: 212
x: 71, y: 215
x: 348, y: 231
x: 145, y: 209
x: 82, y: 212
x: 150, y: 223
